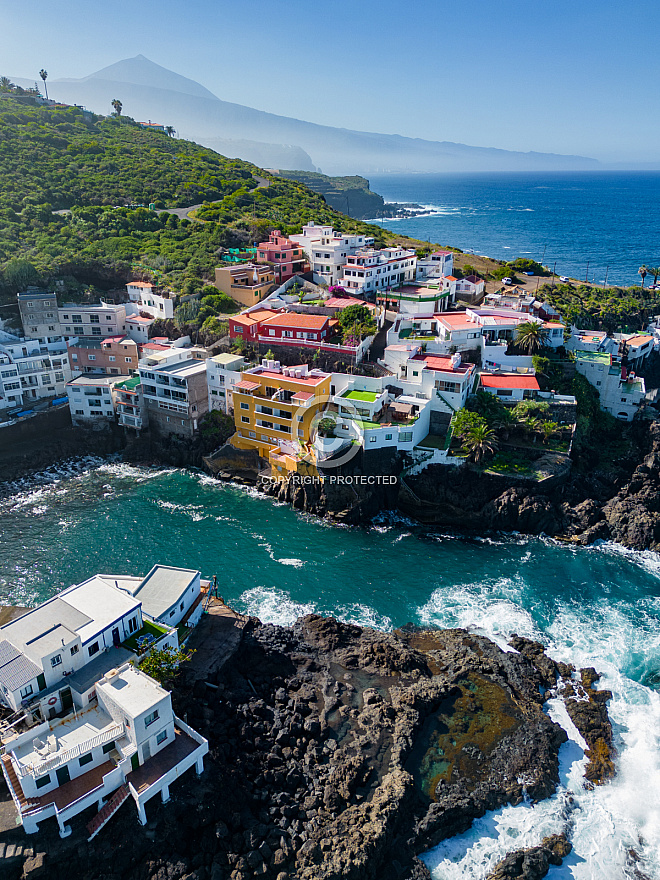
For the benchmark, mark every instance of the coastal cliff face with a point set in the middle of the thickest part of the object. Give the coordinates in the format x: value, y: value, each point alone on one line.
x: 341, y: 753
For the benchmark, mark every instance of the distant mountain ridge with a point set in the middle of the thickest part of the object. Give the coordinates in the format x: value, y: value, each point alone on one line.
x: 150, y: 91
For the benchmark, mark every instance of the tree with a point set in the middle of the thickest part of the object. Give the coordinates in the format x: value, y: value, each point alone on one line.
x: 118, y: 106
x: 6, y: 85
x: 643, y: 271
x: 479, y: 442
x: 326, y: 427
x: 463, y: 422
x: 655, y: 271
x: 531, y: 337
x: 163, y: 663
x: 169, y: 130
x: 44, y: 75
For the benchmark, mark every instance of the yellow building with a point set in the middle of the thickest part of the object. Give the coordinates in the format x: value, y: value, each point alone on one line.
x: 274, y: 407
x: 246, y: 283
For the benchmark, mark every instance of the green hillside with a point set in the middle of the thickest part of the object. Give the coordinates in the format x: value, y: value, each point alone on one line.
x: 99, y: 170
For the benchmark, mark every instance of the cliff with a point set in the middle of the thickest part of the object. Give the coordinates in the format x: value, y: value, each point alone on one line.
x: 336, y: 753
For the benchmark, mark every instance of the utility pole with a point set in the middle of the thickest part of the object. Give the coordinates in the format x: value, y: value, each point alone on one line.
x: 553, y: 274
x: 605, y: 281
x: 586, y: 274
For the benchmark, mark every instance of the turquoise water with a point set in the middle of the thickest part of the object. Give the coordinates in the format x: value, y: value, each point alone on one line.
x: 598, y: 606
x: 608, y: 219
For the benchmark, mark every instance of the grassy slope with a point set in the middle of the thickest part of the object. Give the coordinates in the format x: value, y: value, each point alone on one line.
x: 53, y: 159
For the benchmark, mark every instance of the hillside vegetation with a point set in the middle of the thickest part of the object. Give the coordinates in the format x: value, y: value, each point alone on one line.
x: 100, y: 170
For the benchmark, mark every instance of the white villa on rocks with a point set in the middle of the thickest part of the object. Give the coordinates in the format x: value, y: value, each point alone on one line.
x: 87, y: 724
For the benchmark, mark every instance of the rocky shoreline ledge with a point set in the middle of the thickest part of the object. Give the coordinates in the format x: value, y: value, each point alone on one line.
x: 341, y: 753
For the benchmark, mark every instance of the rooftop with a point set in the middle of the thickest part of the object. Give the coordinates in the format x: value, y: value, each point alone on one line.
x: 163, y: 587
x: 225, y: 359
x: 129, y: 384
x: 25, y: 630
x: 138, y: 319
x: 456, y: 321
x: 595, y: 357
x: 639, y: 339
x: 182, y: 368
x: 132, y: 690
x: 443, y: 364
x: 101, y: 602
x: 528, y: 383
x: 93, y: 380
x: 16, y: 670
x: 366, y: 396
x: 291, y: 319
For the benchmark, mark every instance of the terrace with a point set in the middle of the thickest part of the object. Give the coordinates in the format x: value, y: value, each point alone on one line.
x: 149, y: 634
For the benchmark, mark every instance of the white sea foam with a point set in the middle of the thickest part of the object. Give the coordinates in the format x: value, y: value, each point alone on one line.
x: 273, y: 606
x: 363, y: 615
x: 603, y: 825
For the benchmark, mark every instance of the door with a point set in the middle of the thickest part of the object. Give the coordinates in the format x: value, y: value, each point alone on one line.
x: 115, y: 637
x: 135, y: 761
x: 146, y: 751
x: 66, y: 698
x: 63, y: 774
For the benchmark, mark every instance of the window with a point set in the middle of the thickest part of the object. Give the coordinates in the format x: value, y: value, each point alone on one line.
x: 108, y: 747
x: 94, y: 319
x: 132, y: 624
x: 252, y: 434
x: 56, y: 660
x: 245, y: 419
x: 85, y: 759
x: 150, y: 718
x: 388, y: 436
x: 162, y: 736
x: 129, y: 360
x: 93, y: 649
x: 624, y: 400
x: 245, y: 405
x: 112, y: 358
x: 108, y: 317
x: 80, y: 412
x: 172, y: 613
x: 181, y: 607
x: 91, y: 357
x: 77, y: 319
x: 96, y: 331
x: 42, y: 781
x: 26, y: 691
x: 74, y: 650
x: 372, y: 439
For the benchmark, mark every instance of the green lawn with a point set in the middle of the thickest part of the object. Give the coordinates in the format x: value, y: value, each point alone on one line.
x: 433, y: 441
x: 148, y: 629
x: 510, y: 463
x: 367, y: 396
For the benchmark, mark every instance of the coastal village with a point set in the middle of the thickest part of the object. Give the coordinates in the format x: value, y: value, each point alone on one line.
x: 334, y: 347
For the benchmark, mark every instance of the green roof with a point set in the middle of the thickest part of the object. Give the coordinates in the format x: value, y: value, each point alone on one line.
x: 129, y: 384
x: 595, y: 357
x: 367, y: 396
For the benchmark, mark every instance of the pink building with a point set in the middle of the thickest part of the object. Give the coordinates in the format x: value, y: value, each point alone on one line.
x: 286, y: 256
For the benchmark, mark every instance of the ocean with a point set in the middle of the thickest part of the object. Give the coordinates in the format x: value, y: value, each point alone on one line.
x: 608, y: 219
x: 596, y: 606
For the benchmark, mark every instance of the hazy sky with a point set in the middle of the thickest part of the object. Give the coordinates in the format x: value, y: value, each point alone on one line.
x: 569, y: 76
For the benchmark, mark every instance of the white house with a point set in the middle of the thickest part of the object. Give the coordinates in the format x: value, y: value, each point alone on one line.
x: 91, y: 398
x: 222, y: 371
x: 621, y: 391
x: 167, y: 594
x: 31, y: 369
x: 418, y: 299
x: 435, y: 266
x: 174, y: 388
x: 138, y: 327
x: 509, y: 386
x: 369, y: 270
x: 147, y: 300
x: 328, y: 250
x: 39, y: 315
x: 470, y: 288
x: 106, y: 751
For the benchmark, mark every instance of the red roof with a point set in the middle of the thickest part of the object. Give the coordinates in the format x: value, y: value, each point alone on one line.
x: 526, y: 382
x: 474, y: 279
x: 304, y: 322
x: 139, y: 284
x: 138, y: 319
x: 443, y: 364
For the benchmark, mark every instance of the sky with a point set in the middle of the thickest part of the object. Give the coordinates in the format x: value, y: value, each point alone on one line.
x: 569, y: 76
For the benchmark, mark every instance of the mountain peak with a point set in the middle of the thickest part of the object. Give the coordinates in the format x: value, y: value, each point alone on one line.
x: 141, y: 71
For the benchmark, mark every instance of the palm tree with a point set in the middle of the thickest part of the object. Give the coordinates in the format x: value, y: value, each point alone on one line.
x: 531, y: 336
x: 643, y: 271
x: 44, y: 75
x: 117, y: 104
x: 479, y: 441
x: 655, y: 271
x: 6, y: 85
x: 169, y: 130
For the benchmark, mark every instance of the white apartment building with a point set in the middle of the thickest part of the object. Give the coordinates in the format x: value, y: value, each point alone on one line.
x: 130, y: 405
x: 222, y: 371
x: 39, y: 315
x: 32, y: 369
x: 138, y: 328
x: 87, y: 723
x: 147, y: 300
x: 621, y: 391
x: 97, y: 321
x: 328, y: 250
x: 91, y: 399
x: 369, y: 270
x: 175, y: 390
x: 435, y: 266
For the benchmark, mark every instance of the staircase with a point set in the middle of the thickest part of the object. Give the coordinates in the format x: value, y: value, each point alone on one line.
x: 107, y: 811
x: 15, y: 786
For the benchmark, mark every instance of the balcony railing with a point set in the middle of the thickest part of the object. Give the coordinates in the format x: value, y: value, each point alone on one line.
x: 40, y: 767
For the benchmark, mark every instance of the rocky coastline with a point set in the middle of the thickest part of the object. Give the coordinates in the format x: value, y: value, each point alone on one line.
x: 339, y: 753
